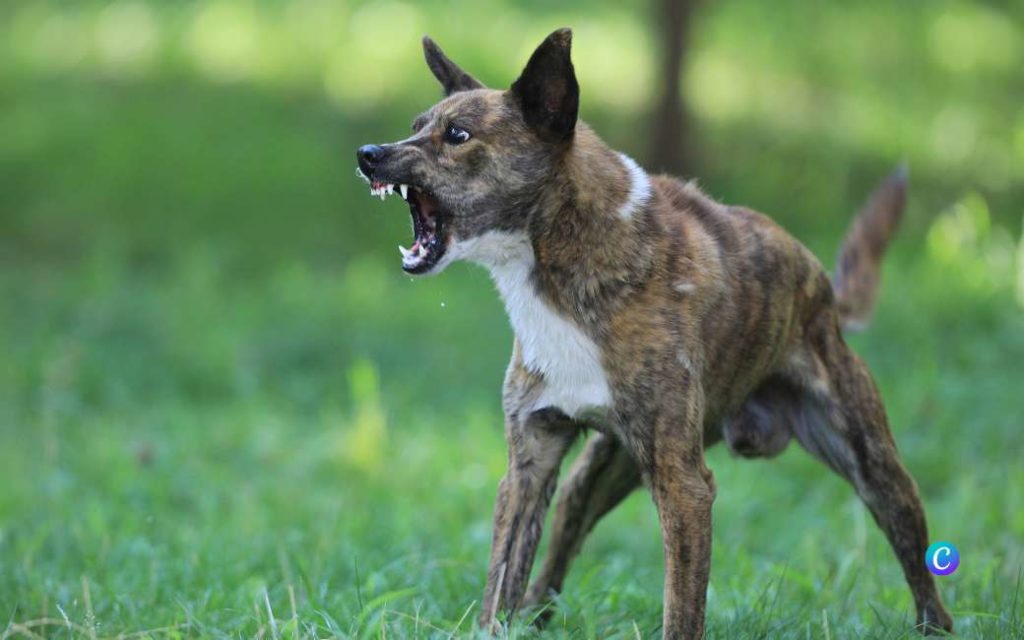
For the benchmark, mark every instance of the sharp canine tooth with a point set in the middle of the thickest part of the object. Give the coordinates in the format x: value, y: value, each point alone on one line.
x: 391, y: 189
x: 404, y: 190
x: 405, y: 252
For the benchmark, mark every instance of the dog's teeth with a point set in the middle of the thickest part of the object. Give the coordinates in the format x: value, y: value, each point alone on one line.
x: 391, y: 189
x: 422, y: 251
x: 405, y: 252
x: 404, y: 190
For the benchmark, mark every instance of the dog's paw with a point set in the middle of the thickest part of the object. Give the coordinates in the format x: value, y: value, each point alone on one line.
x: 935, y: 621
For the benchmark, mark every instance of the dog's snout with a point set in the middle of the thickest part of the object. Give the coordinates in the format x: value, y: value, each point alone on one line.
x: 369, y: 156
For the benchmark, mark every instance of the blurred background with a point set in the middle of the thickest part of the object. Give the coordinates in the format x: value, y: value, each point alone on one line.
x: 225, y: 411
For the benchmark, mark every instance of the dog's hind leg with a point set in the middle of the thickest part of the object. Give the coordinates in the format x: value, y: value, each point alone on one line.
x: 601, y: 477
x: 843, y: 423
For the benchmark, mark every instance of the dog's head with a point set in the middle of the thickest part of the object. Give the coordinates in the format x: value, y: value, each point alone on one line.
x: 478, y: 159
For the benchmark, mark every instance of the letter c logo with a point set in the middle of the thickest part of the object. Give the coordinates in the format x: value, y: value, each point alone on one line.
x: 942, y: 558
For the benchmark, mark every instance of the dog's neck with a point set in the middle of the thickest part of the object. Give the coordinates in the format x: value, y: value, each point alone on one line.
x: 593, y: 186
x: 585, y: 242
x: 589, y: 234
x: 593, y: 229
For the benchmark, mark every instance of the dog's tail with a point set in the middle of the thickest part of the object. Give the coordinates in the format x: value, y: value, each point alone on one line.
x: 859, y: 265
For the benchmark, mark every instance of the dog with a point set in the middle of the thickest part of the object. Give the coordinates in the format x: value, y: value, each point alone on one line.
x: 650, y: 316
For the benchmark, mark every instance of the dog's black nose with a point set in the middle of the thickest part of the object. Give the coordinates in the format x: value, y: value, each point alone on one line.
x: 369, y: 156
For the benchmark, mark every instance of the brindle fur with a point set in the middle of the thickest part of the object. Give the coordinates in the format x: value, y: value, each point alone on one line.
x: 711, y: 320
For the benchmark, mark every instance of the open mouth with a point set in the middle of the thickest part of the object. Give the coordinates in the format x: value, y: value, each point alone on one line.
x: 430, y: 237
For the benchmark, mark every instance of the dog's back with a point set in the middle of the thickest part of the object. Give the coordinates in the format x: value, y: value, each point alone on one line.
x: 755, y: 288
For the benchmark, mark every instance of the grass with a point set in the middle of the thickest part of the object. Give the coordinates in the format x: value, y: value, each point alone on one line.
x: 224, y: 412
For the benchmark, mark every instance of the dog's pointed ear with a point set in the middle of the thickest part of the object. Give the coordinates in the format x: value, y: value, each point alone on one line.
x: 451, y: 77
x: 547, y: 89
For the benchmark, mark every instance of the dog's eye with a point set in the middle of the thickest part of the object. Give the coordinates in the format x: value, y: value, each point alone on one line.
x: 455, y: 135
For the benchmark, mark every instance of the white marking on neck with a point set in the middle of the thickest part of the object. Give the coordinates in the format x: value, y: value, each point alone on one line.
x: 552, y: 345
x: 639, y: 188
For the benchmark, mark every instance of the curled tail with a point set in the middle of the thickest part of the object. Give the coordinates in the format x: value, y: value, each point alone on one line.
x: 858, y: 268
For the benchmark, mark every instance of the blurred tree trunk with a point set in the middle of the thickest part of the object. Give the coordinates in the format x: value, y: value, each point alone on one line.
x: 673, y: 147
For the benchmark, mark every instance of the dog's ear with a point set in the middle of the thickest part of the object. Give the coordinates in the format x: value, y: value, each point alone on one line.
x: 451, y: 77
x: 547, y: 89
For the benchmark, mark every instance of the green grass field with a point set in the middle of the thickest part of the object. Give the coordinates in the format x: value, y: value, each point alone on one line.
x: 225, y: 412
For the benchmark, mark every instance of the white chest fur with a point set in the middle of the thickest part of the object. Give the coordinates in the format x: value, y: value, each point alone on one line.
x: 552, y: 345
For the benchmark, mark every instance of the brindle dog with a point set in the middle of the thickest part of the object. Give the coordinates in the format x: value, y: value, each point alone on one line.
x: 657, y: 317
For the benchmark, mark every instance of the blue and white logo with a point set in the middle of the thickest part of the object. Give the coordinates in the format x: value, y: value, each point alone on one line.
x: 942, y: 558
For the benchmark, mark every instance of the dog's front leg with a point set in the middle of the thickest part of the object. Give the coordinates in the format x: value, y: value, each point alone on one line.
x: 683, y: 492
x: 668, y: 445
x: 537, y: 443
